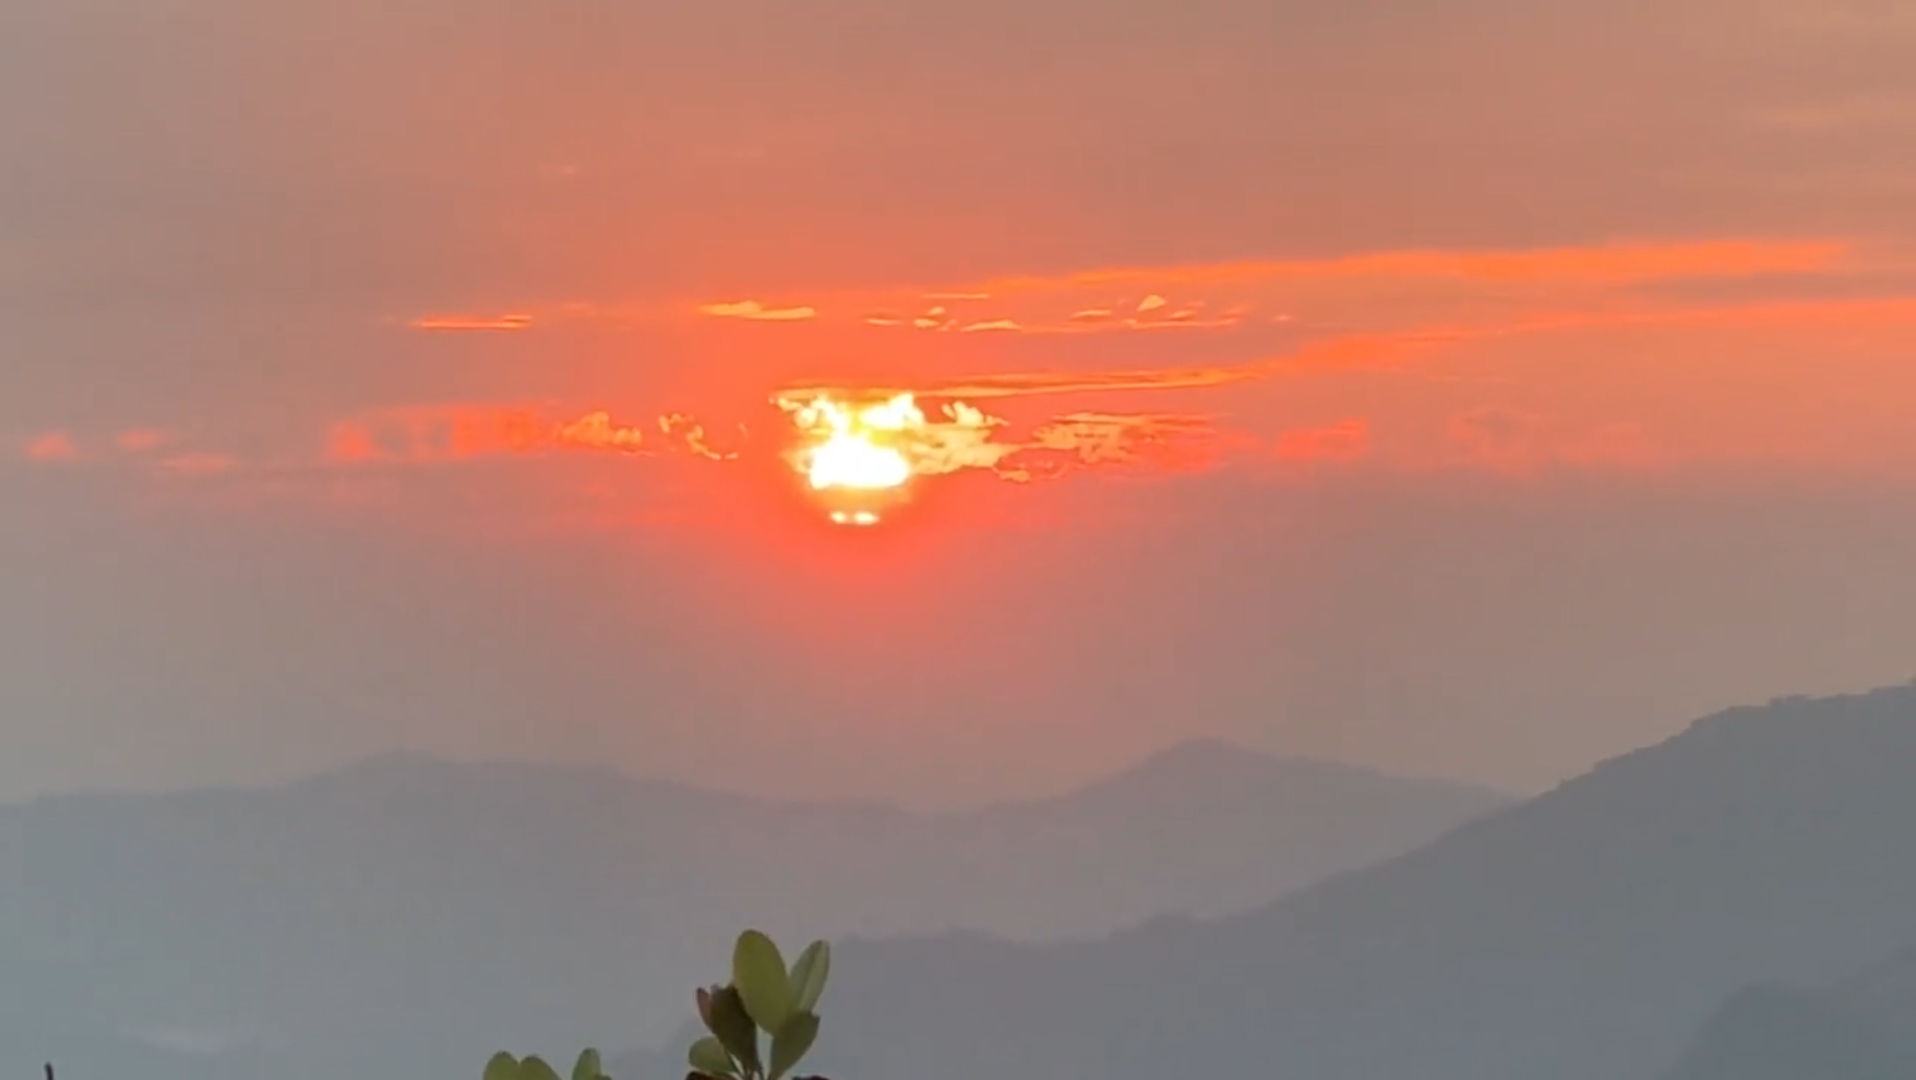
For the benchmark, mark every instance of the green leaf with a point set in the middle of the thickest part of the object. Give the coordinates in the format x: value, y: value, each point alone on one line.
x: 808, y: 976
x: 535, y: 1068
x: 791, y: 1042
x: 709, y: 1057
x: 588, y: 1066
x: 502, y: 1066
x: 704, y: 998
x: 759, y: 973
x: 734, y: 1028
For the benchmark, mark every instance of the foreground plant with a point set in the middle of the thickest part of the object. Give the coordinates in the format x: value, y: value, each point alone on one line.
x: 763, y: 996
x: 504, y: 1066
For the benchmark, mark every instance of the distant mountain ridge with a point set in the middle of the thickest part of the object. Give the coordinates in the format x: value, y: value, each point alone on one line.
x: 1585, y: 934
x: 408, y: 909
x: 1863, y: 1028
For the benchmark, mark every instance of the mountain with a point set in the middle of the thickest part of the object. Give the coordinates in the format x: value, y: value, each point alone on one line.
x: 1582, y: 935
x: 406, y: 914
x: 1861, y: 1029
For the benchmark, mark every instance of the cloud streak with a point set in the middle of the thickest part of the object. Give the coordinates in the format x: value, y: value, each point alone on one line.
x: 1345, y: 322
x: 756, y: 312
x: 471, y: 322
x: 1220, y: 295
x: 1609, y: 264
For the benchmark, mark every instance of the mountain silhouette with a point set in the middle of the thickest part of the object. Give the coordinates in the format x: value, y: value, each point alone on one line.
x: 1582, y: 935
x: 1861, y: 1029
x: 406, y: 913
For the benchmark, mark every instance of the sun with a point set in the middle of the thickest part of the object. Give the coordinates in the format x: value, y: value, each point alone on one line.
x: 852, y: 460
x: 853, y: 454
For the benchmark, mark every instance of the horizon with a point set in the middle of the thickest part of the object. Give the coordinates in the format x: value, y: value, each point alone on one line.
x: 1136, y: 767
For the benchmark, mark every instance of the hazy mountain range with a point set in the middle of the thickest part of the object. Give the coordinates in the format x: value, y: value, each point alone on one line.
x: 1863, y: 1028
x: 1591, y: 933
x: 407, y: 915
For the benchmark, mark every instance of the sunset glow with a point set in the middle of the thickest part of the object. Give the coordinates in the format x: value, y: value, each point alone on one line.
x: 854, y: 453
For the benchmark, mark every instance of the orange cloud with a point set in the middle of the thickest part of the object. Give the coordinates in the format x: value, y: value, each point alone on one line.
x: 1089, y: 439
x: 1225, y: 295
x: 1096, y: 437
x: 1355, y: 350
x: 472, y: 322
x: 686, y: 433
x: 755, y: 311
x: 455, y: 432
x: 1608, y: 264
x: 595, y: 430
x: 1360, y: 350
x: 1154, y: 313
x: 53, y: 446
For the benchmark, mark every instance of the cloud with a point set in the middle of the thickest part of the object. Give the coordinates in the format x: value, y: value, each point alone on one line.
x: 472, y: 322
x: 1387, y: 348
x: 956, y: 436
x: 952, y: 437
x: 53, y: 446
x: 1232, y: 294
x: 1602, y: 264
x: 456, y: 432
x: 1186, y: 317
x: 755, y: 311
x: 439, y: 433
x: 1112, y: 438
x: 1100, y: 432
x: 1226, y: 295
x: 1355, y: 350
x: 597, y: 431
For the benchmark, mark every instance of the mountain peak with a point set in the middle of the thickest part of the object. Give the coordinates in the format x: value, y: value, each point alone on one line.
x: 1582, y: 934
x: 1206, y: 764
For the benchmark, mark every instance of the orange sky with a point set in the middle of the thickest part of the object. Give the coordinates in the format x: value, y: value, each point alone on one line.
x: 436, y: 276
x: 1616, y: 356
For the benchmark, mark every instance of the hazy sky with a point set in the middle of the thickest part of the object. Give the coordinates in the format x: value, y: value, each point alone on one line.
x: 1472, y: 389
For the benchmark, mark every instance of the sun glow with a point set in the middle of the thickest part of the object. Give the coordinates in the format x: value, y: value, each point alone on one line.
x: 852, y: 460
x: 860, y: 454
x: 854, y: 446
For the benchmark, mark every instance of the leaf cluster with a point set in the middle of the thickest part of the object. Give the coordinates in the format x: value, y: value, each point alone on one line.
x: 504, y: 1066
x: 765, y: 996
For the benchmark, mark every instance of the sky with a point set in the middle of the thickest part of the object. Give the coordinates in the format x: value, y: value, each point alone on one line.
x: 1475, y: 391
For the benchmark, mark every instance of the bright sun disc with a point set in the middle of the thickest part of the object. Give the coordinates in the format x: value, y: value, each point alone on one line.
x: 859, y: 456
x: 852, y: 460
